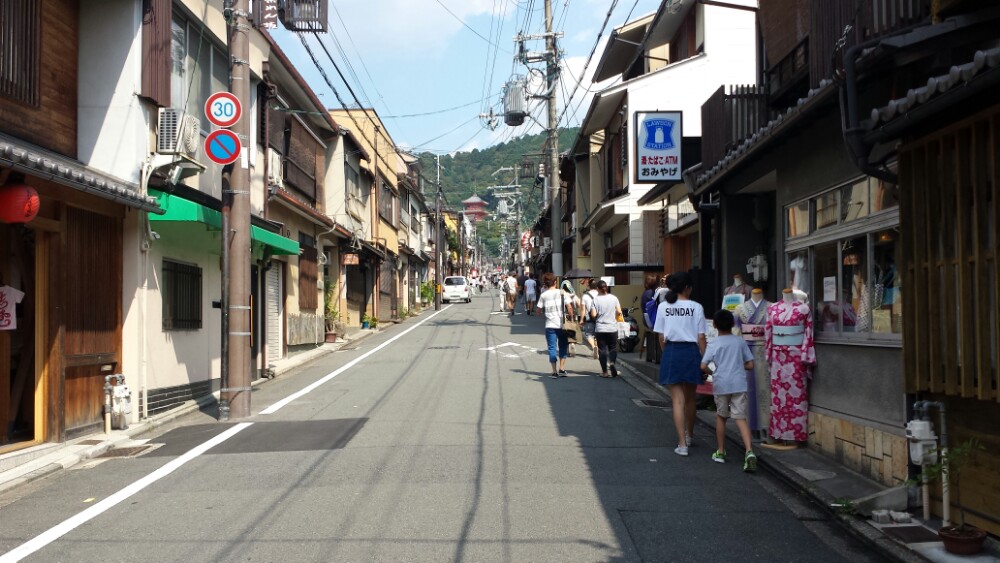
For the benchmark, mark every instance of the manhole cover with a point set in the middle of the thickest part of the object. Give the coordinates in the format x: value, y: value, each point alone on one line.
x: 88, y: 442
x: 131, y: 451
x: 652, y: 403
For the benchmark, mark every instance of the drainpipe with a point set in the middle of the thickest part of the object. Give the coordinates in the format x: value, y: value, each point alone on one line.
x: 922, y: 407
x: 850, y: 119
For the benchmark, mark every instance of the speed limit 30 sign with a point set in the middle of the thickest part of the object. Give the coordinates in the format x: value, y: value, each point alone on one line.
x: 223, y: 109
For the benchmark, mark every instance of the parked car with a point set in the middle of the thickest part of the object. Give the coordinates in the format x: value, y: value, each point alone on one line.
x: 456, y: 288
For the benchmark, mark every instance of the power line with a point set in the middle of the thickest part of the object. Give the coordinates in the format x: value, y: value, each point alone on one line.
x: 446, y: 110
x: 463, y: 124
x: 460, y: 20
x: 607, y: 17
x: 340, y: 99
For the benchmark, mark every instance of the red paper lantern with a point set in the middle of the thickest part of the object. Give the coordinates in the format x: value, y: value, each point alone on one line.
x: 18, y: 203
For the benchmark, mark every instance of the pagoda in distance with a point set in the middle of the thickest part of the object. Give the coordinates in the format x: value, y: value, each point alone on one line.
x: 475, y: 208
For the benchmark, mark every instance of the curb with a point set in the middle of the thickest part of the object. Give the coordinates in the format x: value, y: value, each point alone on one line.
x: 859, y: 529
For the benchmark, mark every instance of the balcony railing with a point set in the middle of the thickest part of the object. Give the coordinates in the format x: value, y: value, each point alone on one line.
x: 729, y: 118
x: 303, y: 15
x: 833, y: 21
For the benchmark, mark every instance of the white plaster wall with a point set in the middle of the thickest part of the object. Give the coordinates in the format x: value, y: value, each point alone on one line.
x: 112, y: 133
x: 730, y: 58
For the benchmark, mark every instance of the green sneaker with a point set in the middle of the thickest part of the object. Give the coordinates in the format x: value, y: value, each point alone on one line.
x: 750, y: 462
x: 719, y: 456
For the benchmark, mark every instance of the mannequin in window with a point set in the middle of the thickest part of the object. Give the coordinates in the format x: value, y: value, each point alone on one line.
x: 739, y: 288
x: 752, y: 317
x: 788, y: 338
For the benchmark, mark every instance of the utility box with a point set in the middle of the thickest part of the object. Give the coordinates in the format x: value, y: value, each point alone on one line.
x: 515, y: 101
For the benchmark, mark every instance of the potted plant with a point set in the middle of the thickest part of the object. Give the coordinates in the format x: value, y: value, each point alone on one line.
x: 331, y: 314
x: 369, y: 321
x: 961, y: 539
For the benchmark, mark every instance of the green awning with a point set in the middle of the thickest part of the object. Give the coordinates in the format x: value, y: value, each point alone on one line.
x: 178, y: 209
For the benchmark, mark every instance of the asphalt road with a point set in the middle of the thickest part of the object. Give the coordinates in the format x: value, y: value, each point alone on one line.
x: 439, y: 439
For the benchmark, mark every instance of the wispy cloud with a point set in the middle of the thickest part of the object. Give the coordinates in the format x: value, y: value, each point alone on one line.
x: 410, y: 29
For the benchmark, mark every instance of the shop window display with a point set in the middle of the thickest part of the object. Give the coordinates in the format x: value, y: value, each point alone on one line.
x: 828, y: 307
x: 848, y: 274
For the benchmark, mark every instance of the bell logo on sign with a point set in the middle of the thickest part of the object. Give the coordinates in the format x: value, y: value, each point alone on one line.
x: 659, y: 134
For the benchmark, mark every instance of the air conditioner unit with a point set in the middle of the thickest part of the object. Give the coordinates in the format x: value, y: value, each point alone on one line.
x: 177, y: 133
x: 275, y: 168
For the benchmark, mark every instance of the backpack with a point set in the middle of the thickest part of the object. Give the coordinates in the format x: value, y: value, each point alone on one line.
x: 650, y: 312
x: 588, y: 304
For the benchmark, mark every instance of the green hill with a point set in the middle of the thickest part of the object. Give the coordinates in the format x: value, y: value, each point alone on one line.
x: 466, y: 173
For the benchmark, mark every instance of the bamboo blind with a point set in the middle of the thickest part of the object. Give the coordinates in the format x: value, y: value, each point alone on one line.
x: 950, y: 207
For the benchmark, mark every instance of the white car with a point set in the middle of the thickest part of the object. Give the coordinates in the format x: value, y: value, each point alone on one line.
x: 456, y: 288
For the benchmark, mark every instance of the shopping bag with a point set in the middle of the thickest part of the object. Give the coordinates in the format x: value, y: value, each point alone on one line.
x: 624, y: 329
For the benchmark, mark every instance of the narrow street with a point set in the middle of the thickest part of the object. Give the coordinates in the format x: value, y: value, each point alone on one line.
x: 439, y: 439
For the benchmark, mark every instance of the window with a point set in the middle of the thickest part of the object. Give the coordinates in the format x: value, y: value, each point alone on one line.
x: 181, y: 295
x: 387, y: 204
x: 198, y: 67
x: 825, y: 207
x: 798, y: 220
x: 308, y: 300
x: 19, y: 50
x: 846, y: 271
x: 854, y: 201
x: 353, y: 180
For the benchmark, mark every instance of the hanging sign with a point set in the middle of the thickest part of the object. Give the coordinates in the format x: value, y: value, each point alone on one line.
x: 350, y: 259
x: 223, y: 109
x: 222, y: 147
x: 657, y: 141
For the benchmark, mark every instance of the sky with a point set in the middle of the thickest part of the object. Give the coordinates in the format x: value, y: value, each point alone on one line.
x: 430, y: 67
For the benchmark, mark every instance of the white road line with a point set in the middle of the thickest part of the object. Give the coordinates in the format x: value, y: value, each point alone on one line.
x: 74, y: 522
x: 326, y: 378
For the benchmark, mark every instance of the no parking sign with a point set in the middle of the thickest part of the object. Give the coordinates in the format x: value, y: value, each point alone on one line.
x: 222, y: 146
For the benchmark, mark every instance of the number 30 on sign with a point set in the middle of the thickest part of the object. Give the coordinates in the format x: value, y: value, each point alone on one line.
x: 223, y: 109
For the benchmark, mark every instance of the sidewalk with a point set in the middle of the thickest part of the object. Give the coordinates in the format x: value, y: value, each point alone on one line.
x: 26, y: 465
x: 840, y: 491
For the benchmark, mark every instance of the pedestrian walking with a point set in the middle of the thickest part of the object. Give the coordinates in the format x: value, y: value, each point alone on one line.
x: 650, y: 341
x: 530, y: 293
x: 510, y: 291
x: 571, y: 299
x: 732, y: 359
x: 520, y: 290
x: 552, y: 303
x: 588, y: 322
x: 607, y: 310
x: 680, y: 323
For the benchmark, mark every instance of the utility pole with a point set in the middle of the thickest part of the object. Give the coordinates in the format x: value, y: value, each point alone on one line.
x: 438, y: 228
x: 236, y: 238
x: 552, y: 175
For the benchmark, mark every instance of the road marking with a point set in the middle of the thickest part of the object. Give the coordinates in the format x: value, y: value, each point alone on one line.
x: 326, y: 378
x: 504, y: 345
x: 74, y: 522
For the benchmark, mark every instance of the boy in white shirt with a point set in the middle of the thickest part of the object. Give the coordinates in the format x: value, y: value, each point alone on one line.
x: 732, y: 360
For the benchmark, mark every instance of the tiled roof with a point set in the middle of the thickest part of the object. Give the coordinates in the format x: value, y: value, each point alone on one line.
x: 956, y: 76
x: 69, y: 172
